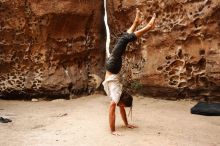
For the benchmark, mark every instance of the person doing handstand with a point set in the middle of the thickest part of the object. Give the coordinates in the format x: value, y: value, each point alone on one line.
x: 112, y: 85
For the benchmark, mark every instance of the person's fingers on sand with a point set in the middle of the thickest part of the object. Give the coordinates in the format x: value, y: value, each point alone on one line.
x: 116, y: 133
x: 131, y: 126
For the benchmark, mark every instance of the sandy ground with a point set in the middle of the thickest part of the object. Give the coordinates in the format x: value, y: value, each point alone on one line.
x: 84, y: 122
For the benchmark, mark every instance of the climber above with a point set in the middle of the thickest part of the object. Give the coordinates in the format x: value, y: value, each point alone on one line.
x: 112, y: 85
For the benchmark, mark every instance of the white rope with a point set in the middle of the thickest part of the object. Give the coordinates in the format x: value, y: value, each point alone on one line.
x: 107, y: 31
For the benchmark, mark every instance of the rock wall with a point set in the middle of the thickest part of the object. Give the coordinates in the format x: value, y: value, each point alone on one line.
x: 50, y: 48
x: 53, y: 48
x: 181, y: 56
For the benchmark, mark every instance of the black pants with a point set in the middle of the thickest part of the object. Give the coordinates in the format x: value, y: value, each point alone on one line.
x: 114, y: 62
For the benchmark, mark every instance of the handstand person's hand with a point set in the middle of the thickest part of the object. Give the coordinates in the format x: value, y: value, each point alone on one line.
x: 131, y: 126
x: 116, y: 133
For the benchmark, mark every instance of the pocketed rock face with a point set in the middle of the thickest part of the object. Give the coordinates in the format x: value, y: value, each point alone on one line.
x: 181, y: 56
x: 50, y: 47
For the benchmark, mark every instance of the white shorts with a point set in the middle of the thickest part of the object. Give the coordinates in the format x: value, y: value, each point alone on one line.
x: 113, y: 87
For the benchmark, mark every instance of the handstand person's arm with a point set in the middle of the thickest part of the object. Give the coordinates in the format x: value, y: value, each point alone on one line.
x: 112, y: 118
x: 124, y: 117
x: 149, y: 26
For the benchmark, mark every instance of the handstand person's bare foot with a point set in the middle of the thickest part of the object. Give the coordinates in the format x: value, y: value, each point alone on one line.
x: 148, y: 27
x: 138, y: 18
x: 152, y: 21
x: 137, y: 21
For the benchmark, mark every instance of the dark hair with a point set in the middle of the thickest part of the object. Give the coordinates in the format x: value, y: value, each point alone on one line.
x: 126, y: 99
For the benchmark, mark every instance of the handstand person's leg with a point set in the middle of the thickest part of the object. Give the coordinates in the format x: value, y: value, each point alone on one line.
x: 149, y: 26
x: 126, y: 38
x: 132, y: 36
x: 137, y: 21
x: 114, y: 62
